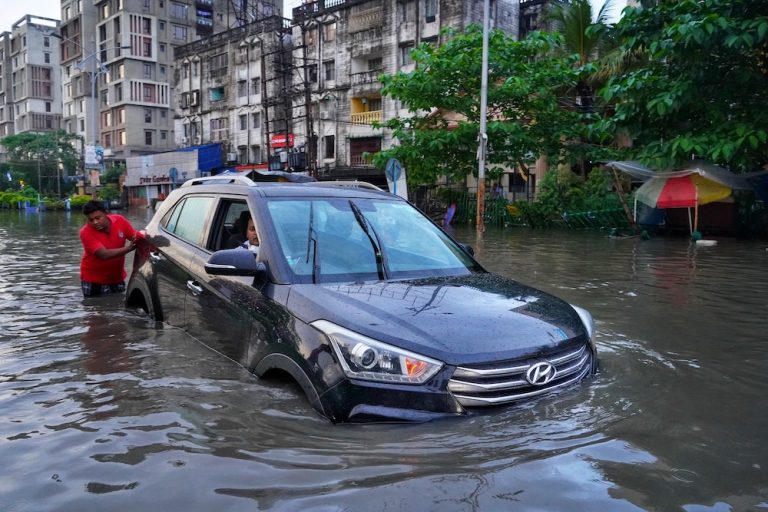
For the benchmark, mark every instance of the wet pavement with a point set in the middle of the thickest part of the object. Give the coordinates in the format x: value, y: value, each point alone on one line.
x: 103, y: 409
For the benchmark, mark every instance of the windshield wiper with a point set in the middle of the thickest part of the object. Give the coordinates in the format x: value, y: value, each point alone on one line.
x: 312, y: 243
x: 381, y: 263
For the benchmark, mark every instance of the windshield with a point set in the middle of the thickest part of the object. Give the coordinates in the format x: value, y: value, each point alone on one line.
x: 338, y: 239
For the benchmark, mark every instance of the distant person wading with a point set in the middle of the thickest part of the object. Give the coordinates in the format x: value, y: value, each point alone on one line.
x: 106, y: 239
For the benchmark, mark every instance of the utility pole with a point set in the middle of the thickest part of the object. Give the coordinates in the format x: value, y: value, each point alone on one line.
x: 483, y: 146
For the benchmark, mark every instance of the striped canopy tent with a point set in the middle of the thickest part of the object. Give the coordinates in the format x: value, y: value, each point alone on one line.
x: 697, y: 184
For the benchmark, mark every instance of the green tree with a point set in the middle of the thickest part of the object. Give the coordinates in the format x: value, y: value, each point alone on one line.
x: 702, y: 90
x: 591, y: 39
x: 442, y: 95
x: 35, y: 157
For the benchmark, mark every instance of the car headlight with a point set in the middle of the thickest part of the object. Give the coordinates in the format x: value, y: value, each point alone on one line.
x: 365, y: 358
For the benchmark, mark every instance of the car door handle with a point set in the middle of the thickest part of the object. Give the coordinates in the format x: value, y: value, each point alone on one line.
x: 194, y: 287
x: 155, y: 257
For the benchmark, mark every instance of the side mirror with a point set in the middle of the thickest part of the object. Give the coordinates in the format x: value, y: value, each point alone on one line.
x: 468, y: 248
x: 235, y: 262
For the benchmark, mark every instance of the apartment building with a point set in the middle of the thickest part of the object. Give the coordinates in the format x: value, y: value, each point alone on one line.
x: 342, y: 46
x: 30, y: 79
x: 232, y: 89
x: 118, y: 66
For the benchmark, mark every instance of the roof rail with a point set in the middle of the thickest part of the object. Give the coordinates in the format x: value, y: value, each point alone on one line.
x: 218, y: 179
x: 348, y: 184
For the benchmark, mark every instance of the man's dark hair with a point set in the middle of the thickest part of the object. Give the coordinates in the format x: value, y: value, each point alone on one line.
x: 93, y: 206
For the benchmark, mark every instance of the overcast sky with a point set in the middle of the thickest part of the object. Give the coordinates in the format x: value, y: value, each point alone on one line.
x: 13, y: 10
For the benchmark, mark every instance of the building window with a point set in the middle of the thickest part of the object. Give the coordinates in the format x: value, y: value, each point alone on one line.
x: 185, y: 70
x: 329, y: 32
x: 243, y: 121
x: 162, y: 47
x: 148, y: 137
x: 256, y: 120
x: 405, y: 54
x: 119, y: 92
x: 329, y: 70
x: 178, y: 10
x: 375, y: 64
x: 254, y: 86
x: 312, y: 73
x: 47, y: 57
x: 180, y: 32
x: 430, y: 10
x: 219, y: 129
x: 217, y: 65
x: 147, y: 70
x: 147, y: 115
x: 121, y: 137
x: 242, y: 154
x: 47, y: 106
x: 217, y: 94
x: 46, y: 41
x: 330, y: 146
x: 163, y: 135
x: 242, y: 88
x: 256, y: 154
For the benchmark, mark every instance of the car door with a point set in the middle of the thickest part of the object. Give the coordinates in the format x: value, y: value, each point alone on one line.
x: 216, y: 307
x: 180, y: 233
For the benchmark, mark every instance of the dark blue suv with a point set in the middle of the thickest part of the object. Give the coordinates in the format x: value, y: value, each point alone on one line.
x: 376, y: 312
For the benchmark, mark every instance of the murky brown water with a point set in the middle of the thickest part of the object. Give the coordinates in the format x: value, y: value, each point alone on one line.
x: 104, y: 410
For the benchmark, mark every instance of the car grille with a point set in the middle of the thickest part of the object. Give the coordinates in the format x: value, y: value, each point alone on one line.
x: 500, y: 383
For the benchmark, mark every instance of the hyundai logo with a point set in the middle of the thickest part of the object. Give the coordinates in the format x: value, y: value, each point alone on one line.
x: 540, y: 373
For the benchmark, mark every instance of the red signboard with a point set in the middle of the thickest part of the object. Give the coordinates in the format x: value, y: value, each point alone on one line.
x: 278, y: 140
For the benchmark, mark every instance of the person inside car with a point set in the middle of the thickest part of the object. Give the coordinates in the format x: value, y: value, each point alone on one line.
x: 252, y: 237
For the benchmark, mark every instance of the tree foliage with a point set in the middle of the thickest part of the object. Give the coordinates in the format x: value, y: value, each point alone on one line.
x: 39, y: 154
x: 702, y: 89
x: 442, y: 94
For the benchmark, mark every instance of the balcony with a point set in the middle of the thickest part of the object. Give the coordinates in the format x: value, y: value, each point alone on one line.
x: 366, y: 20
x: 366, y: 117
x: 366, y: 77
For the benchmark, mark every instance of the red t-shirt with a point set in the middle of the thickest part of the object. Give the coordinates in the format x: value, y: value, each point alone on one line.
x: 111, y: 271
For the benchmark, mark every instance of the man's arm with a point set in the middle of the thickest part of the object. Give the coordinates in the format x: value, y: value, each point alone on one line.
x: 108, y: 254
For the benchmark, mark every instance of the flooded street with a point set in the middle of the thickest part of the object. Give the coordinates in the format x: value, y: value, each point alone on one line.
x: 103, y: 409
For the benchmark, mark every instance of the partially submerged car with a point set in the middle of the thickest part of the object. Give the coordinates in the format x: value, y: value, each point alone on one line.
x: 375, y: 311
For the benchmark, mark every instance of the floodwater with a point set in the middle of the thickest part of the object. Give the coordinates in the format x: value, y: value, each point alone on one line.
x: 102, y: 409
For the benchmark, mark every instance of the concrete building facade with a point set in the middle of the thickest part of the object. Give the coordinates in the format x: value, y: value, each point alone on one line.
x: 231, y: 89
x: 342, y: 46
x: 30, y: 78
x: 126, y: 49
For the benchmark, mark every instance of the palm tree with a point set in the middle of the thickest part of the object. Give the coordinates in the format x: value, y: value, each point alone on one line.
x: 589, y: 38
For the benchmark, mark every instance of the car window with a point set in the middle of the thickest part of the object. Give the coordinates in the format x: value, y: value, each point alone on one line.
x: 227, y: 230
x: 410, y: 244
x: 187, y: 220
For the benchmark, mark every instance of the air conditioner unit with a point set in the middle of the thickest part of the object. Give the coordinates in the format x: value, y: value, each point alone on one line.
x: 324, y: 114
x: 231, y: 157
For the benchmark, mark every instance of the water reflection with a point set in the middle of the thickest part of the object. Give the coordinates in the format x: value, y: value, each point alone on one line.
x: 104, y: 409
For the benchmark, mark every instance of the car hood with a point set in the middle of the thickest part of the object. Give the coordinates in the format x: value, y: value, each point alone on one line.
x: 458, y: 320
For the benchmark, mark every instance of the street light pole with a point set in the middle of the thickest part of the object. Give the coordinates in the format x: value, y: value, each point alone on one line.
x: 483, y: 148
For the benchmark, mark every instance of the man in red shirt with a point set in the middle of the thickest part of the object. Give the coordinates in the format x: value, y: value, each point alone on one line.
x: 104, y: 238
